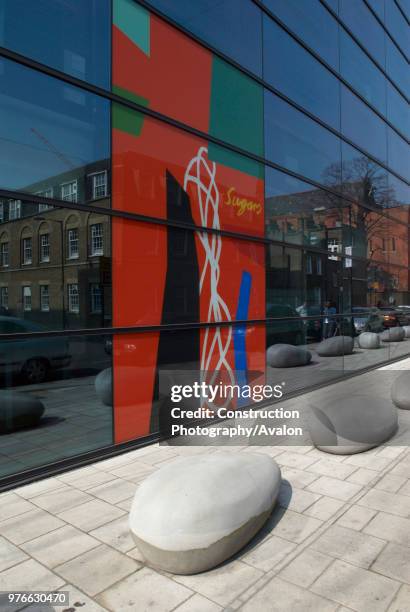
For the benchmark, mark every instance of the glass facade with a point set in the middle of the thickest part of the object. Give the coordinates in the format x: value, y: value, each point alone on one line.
x: 182, y: 187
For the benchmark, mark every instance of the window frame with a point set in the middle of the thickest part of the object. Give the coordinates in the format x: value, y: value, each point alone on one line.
x: 46, y: 294
x: 73, y: 298
x: 70, y: 253
x: 27, y: 306
x: 96, y: 252
x: 26, y: 259
x: 73, y: 195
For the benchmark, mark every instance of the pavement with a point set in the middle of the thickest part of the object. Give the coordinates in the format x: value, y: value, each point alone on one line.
x: 338, y: 539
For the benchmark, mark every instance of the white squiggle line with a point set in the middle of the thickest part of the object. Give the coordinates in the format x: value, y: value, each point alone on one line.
x: 208, y: 202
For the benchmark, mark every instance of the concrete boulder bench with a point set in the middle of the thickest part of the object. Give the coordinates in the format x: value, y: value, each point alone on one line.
x: 400, y: 391
x: 18, y: 410
x: 345, y: 424
x: 394, y: 334
x: 287, y: 356
x: 196, y: 512
x: 335, y: 347
x: 369, y: 340
x: 103, y: 386
x: 406, y: 331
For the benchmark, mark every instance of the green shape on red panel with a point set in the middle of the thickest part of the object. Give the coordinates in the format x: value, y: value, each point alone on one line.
x: 133, y: 20
x: 223, y: 156
x: 124, y: 118
x: 236, y: 113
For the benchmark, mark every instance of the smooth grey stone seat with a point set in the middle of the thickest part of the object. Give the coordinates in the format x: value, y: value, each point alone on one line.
x: 287, y: 356
x: 103, y: 386
x: 19, y: 410
x: 336, y: 346
x: 346, y: 424
x: 369, y: 340
x: 198, y: 511
x: 400, y: 391
x: 406, y: 331
x: 394, y: 334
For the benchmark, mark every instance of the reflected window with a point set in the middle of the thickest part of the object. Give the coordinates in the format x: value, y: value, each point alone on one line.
x: 73, y: 243
x: 45, y: 193
x: 96, y: 298
x: 45, y: 247
x: 14, y: 209
x: 69, y: 191
x: 26, y: 298
x: 99, y: 180
x: 4, y: 298
x: 4, y: 254
x: 27, y: 250
x: 73, y: 298
x: 97, y: 239
x: 44, y: 298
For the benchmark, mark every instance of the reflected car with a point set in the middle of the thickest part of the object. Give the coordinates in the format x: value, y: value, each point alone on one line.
x: 392, y: 317
x: 32, y: 358
x: 405, y: 311
x: 366, y: 318
x: 291, y: 331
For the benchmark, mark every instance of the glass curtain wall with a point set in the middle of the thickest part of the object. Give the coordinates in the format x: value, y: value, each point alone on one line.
x: 228, y: 200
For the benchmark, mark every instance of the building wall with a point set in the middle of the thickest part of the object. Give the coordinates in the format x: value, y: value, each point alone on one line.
x: 256, y: 163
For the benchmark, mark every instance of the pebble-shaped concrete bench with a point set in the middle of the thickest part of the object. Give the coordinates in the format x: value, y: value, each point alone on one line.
x: 287, y: 356
x: 346, y: 424
x: 335, y: 347
x: 394, y: 334
x: 369, y: 340
x: 196, y: 512
x: 18, y: 410
x: 400, y: 391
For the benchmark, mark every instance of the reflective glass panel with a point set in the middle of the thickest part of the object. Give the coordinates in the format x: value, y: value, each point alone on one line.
x: 59, y: 400
x: 399, y: 154
x: 52, y: 135
x: 174, y: 267
x: 233, y: 26
x: 299, y: 75
x: 294, y: 141
x: 362, y: 126
x: 72, y: 36
x: 181, y: 79
x: 365, y: 27
x: 299, y: 213
x: 164, y: 172
x: 312, y: 23
x: 52, y: 252
x: 361, y: 73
